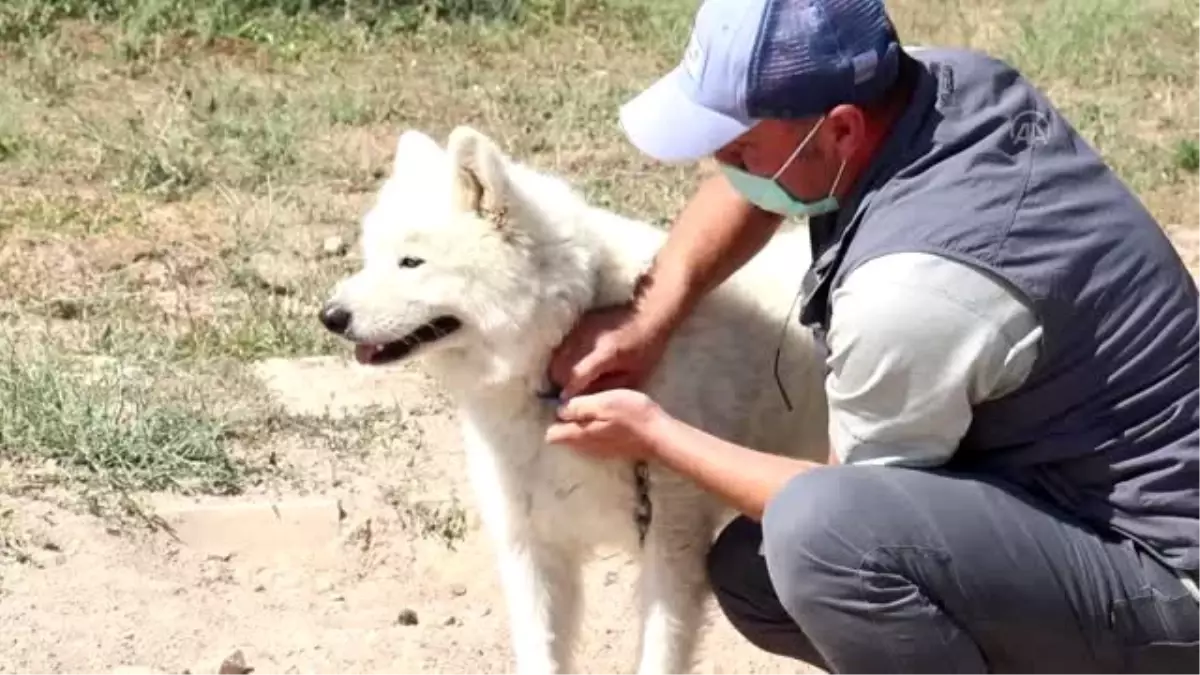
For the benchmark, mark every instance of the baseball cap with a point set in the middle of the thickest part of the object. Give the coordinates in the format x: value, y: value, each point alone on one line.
x: 748, y: 60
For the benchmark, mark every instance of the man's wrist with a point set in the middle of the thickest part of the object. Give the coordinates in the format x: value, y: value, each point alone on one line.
x: 658, y: 433
x: 662, y: 297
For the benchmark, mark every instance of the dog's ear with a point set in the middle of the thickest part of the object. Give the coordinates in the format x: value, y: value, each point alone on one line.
x: 415, y: 151
x: 480, y: 179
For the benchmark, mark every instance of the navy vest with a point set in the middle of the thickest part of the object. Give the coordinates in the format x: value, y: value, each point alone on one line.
x: 983, y: 169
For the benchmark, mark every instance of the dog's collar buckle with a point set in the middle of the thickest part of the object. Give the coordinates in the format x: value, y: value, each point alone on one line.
x: 551, y: 394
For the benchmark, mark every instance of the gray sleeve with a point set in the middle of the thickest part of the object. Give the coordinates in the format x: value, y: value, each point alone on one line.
x: 915, y: 341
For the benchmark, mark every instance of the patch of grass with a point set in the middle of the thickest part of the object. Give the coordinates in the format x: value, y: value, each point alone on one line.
x: 1187, y: 155
x: 255, y: 130
x: 65, y: 214
x: 267, y: 327
x: 97, y: 425
x: 12, y: 544
x: 248, y: 324
x: 1141, y: 156
x: 271, y: 297
x: 23, y: 20
x: 12, y: 138
x: 358, y: 107
x: 1102, y: 61
x: 10, y: 145
x: 1089, y: 42
x: 445, y: 519
x: 41, y: 76
x: 275, y: 22
x: 155, y: 154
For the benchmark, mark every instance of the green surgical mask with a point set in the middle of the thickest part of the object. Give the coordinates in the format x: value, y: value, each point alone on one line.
x: 769, y: 195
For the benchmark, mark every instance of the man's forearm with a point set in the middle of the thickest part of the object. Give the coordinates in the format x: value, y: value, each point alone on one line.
x: 744, y: 478
x: 716, y: 233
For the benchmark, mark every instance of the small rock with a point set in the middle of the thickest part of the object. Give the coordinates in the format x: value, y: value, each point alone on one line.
x: 65, y: 309
x: 610, y: 578
x: 407, y: 617
x: 458, y: 590
x: 260, y: 588
x: 232, y: 664
x: 235, y: 664
x: 486, y: 611
x: 451, y: 621
x: 334, y: 247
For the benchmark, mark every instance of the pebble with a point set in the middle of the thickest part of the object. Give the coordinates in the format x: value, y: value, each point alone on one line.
x: 407, y: 617
x: 235, y: 664
x: 334, y: 247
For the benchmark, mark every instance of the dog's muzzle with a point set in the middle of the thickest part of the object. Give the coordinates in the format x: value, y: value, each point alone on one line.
x: 335, y: 318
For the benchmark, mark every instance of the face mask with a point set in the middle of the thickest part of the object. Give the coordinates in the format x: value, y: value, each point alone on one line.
x: 769, y: 195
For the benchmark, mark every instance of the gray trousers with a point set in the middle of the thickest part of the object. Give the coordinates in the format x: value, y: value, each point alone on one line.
x: 890, y: 570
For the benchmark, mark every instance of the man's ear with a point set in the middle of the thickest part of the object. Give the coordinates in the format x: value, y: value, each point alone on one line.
x: 846, y: 131
x: 480, y: 181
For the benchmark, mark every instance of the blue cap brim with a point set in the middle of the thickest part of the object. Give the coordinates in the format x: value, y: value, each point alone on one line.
x: 666, y: 124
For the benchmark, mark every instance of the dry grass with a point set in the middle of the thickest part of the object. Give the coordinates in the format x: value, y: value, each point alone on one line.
x: 166, y: 179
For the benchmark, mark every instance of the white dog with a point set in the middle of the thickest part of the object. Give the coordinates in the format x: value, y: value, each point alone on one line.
x: 479, y: 266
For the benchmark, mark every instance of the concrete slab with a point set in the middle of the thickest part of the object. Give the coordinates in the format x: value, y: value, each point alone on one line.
x: 250, y: 528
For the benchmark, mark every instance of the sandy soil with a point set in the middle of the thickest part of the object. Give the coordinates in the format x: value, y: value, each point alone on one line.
x: 324, y: 575
x: 339, y: 568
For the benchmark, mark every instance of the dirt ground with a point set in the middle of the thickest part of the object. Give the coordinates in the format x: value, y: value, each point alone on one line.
x: 366, y: 560
x: 370, y: 561
x: 176, y: 206
x: 330, y: 584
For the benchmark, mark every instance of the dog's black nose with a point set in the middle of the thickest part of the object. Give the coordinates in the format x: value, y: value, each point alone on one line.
x: 335, y: 318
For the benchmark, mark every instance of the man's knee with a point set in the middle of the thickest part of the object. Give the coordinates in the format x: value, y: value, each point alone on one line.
x: 816, y: 509
x: 816, y: 529
x: 733, y: 560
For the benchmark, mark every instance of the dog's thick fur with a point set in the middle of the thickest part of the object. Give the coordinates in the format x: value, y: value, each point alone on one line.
x: 479, y: 266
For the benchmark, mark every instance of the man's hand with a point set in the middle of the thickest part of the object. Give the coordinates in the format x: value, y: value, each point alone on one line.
x: 715, y: 234
x: 611, y: 348
x: 622, y: 424
x: 612, y: 424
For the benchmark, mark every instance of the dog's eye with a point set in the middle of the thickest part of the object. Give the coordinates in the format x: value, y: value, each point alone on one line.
x: 411, y: 262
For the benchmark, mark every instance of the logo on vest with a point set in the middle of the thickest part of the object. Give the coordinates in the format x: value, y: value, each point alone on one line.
x: 1030, y: 128
x: 693, y: 58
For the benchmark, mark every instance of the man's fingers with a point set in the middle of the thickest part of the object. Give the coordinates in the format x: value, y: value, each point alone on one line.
x: 619, y: 379
x: 580, y: 409
x: 565, y: 433
x: 584, y: 372
x: 562, y: 361
x: 574, y: 433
